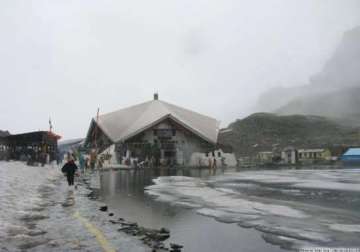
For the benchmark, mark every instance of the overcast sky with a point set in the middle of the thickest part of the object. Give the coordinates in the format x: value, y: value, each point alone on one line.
x: 64, y: 58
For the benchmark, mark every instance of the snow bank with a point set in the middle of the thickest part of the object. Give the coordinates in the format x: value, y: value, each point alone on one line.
x: 19, y: 193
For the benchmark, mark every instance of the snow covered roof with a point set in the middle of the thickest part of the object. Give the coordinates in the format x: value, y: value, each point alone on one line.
x: 125, y: 123
x: 70, y: 141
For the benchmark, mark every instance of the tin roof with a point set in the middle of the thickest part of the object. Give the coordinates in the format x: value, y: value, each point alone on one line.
x: 125, y: 123
x: 353, y: 152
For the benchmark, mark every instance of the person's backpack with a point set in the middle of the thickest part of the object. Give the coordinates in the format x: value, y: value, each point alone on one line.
x: 64, y: 168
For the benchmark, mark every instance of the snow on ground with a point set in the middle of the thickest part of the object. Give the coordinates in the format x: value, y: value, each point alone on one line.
x: 19, y: 185
x: 346, y: 228
x: 293, y: 208
x: 38, y: 213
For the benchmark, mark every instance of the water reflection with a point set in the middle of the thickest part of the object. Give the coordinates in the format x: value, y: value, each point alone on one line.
x: 133, y: 181
x: 123, y: 192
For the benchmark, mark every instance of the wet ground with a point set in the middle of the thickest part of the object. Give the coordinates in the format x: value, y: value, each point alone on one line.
x: 204, y: 210
x: 40, y: 213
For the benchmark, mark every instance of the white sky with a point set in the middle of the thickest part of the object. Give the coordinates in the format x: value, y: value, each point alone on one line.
x: 65, y: 58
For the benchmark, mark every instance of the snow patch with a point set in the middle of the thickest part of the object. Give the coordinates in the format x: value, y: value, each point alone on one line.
x: 345, y: 228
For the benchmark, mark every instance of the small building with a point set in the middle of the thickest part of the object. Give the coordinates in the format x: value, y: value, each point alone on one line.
x: 265, y: 157
x: 351, y: 156
x: 289, y: 155
x: 207, y: 159
x: 36, y: 145
x: 155, y: 130
x: 3, y: 144
x: 313, y: 155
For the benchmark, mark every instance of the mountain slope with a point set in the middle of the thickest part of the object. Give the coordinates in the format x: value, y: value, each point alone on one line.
x: 264, y: 131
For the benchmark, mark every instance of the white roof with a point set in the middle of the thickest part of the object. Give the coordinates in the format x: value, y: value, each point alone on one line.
x: 310, y: 150
x: 125, y: 123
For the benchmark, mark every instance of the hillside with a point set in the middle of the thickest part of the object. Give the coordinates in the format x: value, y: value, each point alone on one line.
x: 264, y: 131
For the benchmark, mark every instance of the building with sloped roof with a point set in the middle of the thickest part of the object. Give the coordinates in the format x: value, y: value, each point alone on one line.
x: 154, y: 129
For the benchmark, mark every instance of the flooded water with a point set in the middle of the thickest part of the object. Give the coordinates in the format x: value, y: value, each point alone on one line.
x: 123, y: 191
x: 241, y: 211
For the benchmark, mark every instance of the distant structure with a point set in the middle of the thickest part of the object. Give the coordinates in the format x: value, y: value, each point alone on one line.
x: 351, y: 156
x: 155, y: 130
x: 289, y: 155
x: 3, y: 144
x: 313, y: 155
x: 265, y: 157
x: 37, y: 146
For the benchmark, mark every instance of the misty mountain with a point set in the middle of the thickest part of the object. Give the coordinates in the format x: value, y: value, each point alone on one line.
x: 342, y: 105
x: 269, y: 132
x: 334, y: 92
x: 342, y: 69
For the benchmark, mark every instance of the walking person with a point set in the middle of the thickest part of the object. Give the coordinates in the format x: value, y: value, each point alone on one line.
x: 70, y: 168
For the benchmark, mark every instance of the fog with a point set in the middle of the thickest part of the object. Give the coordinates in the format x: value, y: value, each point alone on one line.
x: 64, y: 59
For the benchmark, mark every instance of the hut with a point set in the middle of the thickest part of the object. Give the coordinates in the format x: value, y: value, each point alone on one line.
x: 38, y: 146
x: 154, y: 130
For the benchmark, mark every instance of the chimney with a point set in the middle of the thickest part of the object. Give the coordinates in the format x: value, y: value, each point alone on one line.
x: 156, y: 96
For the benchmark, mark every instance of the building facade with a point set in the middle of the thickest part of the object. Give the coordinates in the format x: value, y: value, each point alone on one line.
x: 155, y: 130
x: 289, y: 155
x: 265, y: 157
x: 313, y: 155
x: 37, y: 146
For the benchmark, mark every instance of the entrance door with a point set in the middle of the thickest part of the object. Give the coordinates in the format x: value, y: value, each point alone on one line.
x: 170, y: 157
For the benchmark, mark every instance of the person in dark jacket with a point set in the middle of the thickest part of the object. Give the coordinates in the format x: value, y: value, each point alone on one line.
x: 70, y: 168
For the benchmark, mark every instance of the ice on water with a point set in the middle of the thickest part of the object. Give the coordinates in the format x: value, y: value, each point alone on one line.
x: 292, y: 208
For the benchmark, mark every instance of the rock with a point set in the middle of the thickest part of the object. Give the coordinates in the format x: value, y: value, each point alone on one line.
x: 162, y: 236
x: 54, y: 244
x: 103, y: 208
x: 111, y: 214
x: 176, y: 246
x: 37, y: 232
x: 164, y: 230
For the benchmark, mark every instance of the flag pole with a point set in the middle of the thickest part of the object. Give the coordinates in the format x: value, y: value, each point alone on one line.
x: 50, y: 125
x: 96, y: 128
